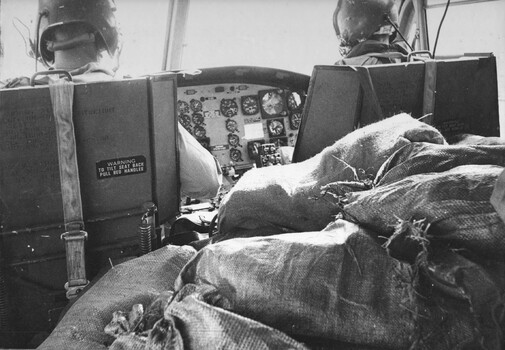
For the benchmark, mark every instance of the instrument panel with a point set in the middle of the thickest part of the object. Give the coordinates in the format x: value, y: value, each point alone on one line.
x: 232, y: 120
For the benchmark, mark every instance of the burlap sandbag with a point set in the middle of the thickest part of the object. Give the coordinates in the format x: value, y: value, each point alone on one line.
x: 136, y: 281
x: 195, y: 319
x: 498, y: 196
x: 336, y: 288
x: 288, y: 198
x: 202, y: 325
x: 422, y: 157
x: 455, y: 203
x: 472, y: 139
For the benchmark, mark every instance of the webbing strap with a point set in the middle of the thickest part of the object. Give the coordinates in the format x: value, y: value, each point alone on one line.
x: 62, y: 98
x: 369, y: 90
x: 430, y: 90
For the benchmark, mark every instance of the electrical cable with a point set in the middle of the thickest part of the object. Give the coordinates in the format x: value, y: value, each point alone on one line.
x: 16, y: 19
x: 399, y: 32
x: 440, y: 27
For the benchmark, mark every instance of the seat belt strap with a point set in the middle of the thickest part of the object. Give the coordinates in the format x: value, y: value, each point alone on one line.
x: 62, y: 97
x: 369, y: 91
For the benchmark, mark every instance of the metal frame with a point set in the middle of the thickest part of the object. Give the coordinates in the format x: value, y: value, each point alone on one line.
x: 413, y: 13
x: 175, y: 32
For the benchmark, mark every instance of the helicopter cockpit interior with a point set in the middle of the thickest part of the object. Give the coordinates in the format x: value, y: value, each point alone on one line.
x: 254, y: 82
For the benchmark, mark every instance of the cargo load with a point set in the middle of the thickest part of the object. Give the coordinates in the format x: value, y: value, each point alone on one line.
x: 420, y: 267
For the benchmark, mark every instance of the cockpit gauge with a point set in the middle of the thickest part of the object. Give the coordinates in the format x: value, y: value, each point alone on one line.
x: 272, y: 103
x: 228, y: 107
x: 182, y: 107
x: 275, y: 127
x: 294, y: 120
x: 250, y: 105
x: 198, y: 119
x: 294, y: 101
x: 185, y: 120
x: 195, y: 105
x: 234, y: 140
x: 235, y: 155
x: 200, y: 131
x: 231, y: 125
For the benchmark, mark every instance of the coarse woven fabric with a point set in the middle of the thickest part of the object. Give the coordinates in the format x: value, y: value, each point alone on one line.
x: 455, y: 203
x: 200, y: 325
x: 286, y: 198
x: 471, y: 139
x: 332, y: 287
x: 422, y: 157
x: 479, y: 286
x: 137, y: 281
x: 498, y: 196
x: 195, y: 318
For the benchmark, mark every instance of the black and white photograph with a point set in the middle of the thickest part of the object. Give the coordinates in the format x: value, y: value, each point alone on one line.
x: 252, y: 174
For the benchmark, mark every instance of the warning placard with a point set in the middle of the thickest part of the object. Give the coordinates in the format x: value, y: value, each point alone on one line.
x: 120, y: 167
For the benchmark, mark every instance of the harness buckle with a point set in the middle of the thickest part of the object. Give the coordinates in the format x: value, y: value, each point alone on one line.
x: 76, y: 264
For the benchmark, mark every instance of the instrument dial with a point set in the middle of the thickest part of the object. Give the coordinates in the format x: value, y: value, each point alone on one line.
x: 250, y: 105
x: 182, y: 107
x: 294, y: 120
x: 272, y: 103
x: 200, y: 131
x: 231, y: 125
x: 233, y: 140
x: 275, y: 127
x: 235, y: 155
x: 198, y: 119
x: 229, y: 107
x: 294, y: 101
x: 195, y: 105
x: 185, y: 120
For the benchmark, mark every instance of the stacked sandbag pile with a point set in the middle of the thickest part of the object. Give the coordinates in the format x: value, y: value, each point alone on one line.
x: 461, y: 250
x: 136, y: 281
x: 447, y: 186
x: 194, y: 318
x: 415, y: 259
x: 288, y: 198
x: 337, y: 289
